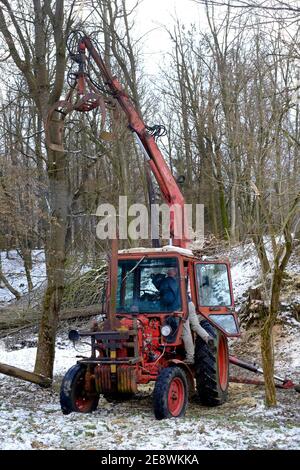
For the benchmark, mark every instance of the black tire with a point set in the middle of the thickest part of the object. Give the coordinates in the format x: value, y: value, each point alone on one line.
x: 212, y: 368
x: 118, y: 397
x: 73, y: 397
x: 163, y: 403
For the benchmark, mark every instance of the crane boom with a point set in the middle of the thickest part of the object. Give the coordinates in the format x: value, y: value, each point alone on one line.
x: 166, y: 181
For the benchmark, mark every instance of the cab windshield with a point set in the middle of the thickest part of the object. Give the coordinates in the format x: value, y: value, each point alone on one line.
x: 213, y: 285
x: 148, y: 285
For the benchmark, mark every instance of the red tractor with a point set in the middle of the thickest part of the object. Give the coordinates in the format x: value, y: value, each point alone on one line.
x: 144, y: 343
x: 141, y: 340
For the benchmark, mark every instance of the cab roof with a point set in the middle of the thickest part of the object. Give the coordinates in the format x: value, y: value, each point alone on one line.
x: 164, y: 249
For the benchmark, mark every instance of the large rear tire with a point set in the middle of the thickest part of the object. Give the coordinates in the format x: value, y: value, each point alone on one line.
x: 212, y: 368
x: 73, y: 396
x: 170, y: 396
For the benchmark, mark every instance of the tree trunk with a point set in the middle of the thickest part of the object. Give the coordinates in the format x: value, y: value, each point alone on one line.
x: 266, y: 333
x: 26, y: 255
x: 224, y: 215
x: 221, y: 193
x: 268, y: 362
x: 261, y: 253
x: 55, y: 257
x: 233, y: 204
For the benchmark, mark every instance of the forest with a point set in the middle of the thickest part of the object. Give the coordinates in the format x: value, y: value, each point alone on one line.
x: 226, y: 99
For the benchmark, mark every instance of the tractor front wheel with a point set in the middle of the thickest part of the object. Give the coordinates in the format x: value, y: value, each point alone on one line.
x: 73, y: 394
x: 212, y: 368
x: 170, y: 396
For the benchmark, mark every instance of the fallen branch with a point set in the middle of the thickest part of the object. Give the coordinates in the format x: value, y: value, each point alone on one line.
x: 66, y: 314
x: 80, y: 312
x: 9, y: 286
x: 8, y: 332
x: 25, y: 375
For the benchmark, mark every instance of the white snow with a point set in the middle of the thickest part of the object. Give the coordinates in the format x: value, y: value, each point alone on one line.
x: 33, y: 420
x: 25, y: 358
x: 13, y: 269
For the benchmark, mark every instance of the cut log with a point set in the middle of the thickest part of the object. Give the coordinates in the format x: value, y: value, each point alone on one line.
x: 7, y: 328
x: 25, y: 375
x: 80, y: 312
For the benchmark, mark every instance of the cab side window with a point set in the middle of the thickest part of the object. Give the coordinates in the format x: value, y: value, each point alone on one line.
x: 213, y: 285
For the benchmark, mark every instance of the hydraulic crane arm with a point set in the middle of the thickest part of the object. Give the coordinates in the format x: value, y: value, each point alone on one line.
x: 161, y: 171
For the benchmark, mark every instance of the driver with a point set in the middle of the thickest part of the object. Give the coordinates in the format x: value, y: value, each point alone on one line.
x: 168, y: 287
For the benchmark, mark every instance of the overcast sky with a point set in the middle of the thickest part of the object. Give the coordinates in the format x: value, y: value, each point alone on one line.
x: 152, y: 18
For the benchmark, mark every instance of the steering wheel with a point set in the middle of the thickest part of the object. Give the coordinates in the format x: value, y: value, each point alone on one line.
x: 149, y: 295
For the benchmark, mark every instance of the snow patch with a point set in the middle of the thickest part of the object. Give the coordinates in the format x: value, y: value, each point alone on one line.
x: 13, y: 269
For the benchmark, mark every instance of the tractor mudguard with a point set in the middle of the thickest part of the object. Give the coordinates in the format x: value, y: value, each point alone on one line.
x: 188, y: 371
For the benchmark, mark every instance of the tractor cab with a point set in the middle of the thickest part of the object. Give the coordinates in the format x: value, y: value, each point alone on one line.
x: 160, y: 282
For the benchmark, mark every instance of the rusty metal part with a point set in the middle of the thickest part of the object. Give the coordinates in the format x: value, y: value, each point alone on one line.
x: 87, y: 102
x: 89, y: 381
x: 74, y: 102
x: 112, y: 323
x: 103, y: 378
x: 123, y: 360
x: 55, y: 124
x: 126, y: 379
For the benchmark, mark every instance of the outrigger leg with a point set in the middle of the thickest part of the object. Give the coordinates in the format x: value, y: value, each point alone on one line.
x: 284, y: 382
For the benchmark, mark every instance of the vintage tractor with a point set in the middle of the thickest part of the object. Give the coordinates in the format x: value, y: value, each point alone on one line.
x: 142, y: 342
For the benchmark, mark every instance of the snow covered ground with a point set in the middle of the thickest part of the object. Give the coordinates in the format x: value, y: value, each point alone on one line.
x: 30, y: 417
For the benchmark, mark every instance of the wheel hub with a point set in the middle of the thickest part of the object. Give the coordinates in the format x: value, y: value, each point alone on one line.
x: 176, y: 396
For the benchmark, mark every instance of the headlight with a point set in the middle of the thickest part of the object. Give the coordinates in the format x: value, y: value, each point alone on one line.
x: 166, y: 330
x: 73, y: 335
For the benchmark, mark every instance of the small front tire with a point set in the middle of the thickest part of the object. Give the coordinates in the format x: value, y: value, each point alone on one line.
x: 73, y: 396
x: 170, y: 396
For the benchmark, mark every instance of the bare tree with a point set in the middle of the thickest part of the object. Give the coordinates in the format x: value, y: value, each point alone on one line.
x: 30, y: 45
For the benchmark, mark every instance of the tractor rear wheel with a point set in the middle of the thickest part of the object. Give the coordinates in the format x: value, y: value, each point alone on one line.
x: 73, y: 396
x: 170, y: 396
x: 212, y: 368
